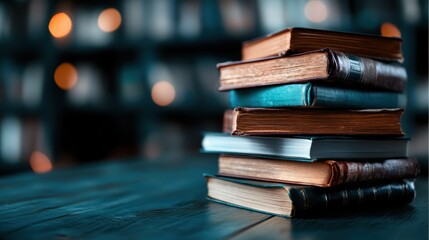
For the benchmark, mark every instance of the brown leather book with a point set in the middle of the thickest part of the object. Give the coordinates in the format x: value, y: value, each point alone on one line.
x: 317, y: 66
x: 304, y: 39
x: 314, y: 121
x: 327, y: 173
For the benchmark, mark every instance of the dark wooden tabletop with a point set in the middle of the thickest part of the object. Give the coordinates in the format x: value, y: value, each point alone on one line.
x: 166, y: 199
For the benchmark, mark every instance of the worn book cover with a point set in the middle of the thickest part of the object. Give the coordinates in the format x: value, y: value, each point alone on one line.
x: 322, y: 65
x: 301, y: 201
x: 327, y: 173
x: 305, y: 39
x: 314, y: 95
x: 314, y: 121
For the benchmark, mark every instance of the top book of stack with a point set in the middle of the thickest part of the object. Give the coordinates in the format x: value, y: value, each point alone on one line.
x: 297, y: 40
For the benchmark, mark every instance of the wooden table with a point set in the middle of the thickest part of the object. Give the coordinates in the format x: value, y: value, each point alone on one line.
x: 166, y: 199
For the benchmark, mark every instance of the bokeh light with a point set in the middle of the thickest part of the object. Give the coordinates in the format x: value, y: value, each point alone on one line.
x: 65, y: 76
x: 389, y: 30
x: 109, y: 20
x: 39, y: 162
x: 60, y: 25
x: 163, y: 93
x: 316, y: 11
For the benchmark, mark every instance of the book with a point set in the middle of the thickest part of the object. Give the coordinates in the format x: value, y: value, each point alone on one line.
x: 306, y: 148
x: 314, y: 95
x: 32, y: 84
x: 314, y: 121
x: 237, y: 16
x: 11, y: 135
x: 162, y: 19
x: 326, y: 173
x: 304, y: 39
x: 322, y: 65
x: 134, y: 22
x: 301, y: 201
x: 130, y: 86
x: 189, y: 24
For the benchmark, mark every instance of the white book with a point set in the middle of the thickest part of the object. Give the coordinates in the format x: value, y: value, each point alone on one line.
x: 304, y: 148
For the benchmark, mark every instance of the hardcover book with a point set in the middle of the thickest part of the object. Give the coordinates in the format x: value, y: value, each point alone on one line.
x: 301, y: 201
x: 318, y: 66
x: 314, y: 95
x: 314, y: 121
x: 307, y: 149
x: 327, y: 173
x: 304, y: 39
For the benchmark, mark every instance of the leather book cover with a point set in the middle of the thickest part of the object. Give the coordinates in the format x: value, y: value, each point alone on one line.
x: 314, y: 201
x: 296, y: 40
x: 341, y: 68
x: 351, y: 69
x: 315, y: 122
x: 348, y: 172
x: 311, y: 201
x: 326, y: 173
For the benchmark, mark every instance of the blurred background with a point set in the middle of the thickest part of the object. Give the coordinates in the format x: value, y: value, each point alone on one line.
x: 84, y: 81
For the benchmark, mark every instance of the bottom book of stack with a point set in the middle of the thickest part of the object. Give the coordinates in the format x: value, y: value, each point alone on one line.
x: 301, y: 189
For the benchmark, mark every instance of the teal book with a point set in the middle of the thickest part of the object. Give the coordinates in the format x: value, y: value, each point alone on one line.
x: 314, y: 95
x: 288, y: 200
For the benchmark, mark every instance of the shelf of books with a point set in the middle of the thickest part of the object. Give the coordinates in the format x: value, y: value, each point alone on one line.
x: 147, y: 68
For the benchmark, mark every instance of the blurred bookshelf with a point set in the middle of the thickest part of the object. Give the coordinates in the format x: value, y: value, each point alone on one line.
x: 91, y: 80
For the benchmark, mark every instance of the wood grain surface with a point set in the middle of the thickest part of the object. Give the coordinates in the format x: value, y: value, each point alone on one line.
x: 134, y: 199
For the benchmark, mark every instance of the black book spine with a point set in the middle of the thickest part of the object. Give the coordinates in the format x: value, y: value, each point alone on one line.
x: 351, y: 69
x: 308, y: 201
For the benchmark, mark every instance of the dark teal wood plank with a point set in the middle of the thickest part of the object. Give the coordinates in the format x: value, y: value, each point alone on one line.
x: 133, y: 199
x: 165, y: 200
x: 188, y: 220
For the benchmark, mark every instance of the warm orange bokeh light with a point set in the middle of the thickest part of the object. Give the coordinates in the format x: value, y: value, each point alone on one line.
x: 40, y: 163
x: 389, y: 30
x: 65, y: 76
x: 109, y: 20
x: 316, y: 11
x: 60, y: 25
x: 163, y: 93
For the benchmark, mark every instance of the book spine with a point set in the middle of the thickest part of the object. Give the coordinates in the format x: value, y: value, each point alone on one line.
x: 325, y: 96
x: 308, y: 201
x: 364, y: 71
x: 312, y: 95
x: 290, y: 95
x: 344, y: 172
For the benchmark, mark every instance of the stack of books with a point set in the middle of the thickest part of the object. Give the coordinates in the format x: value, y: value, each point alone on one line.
x: 315, y: 125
